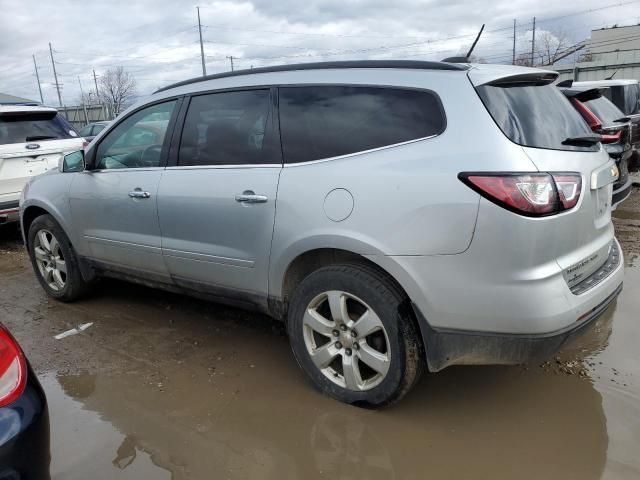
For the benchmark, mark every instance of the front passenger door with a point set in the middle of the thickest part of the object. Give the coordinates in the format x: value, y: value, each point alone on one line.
x: 114, y: 204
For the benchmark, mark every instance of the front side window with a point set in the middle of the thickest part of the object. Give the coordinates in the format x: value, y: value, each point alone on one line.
x: 138, y: 141
x: 328, y: 121
x: 229, y: 128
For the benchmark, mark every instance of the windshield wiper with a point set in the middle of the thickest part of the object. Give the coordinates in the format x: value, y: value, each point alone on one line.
x: 584, y: 140
x: 33, y: 138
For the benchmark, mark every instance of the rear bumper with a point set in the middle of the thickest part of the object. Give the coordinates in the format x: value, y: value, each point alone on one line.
x: 455, y: 347
x: 9, y: 211
x: 621, y: 192
x: 24, y: 435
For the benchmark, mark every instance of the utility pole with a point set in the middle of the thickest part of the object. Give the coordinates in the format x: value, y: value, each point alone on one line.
x: 38, y: 79
x: 204, y: 68
x: 533, y: 40
x: 84, y: 106
x: 513, y: 53
x: 231, y: 60
x: 55, y: 75
x: 95, y: 82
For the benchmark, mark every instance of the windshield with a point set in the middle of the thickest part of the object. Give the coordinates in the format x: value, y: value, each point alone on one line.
x: 33, y: 126
x: 606, y: 111
x: 535, y: 115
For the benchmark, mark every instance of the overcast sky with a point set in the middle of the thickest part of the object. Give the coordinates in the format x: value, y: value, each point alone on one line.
x: 157, y: 40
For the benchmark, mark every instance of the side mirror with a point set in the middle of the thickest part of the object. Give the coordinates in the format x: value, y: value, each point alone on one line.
x: 73, y: 162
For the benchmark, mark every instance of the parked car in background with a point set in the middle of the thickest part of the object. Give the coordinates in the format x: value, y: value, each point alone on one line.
x: 625, y: 94
x: 339, y: 197
x: 33, y: 139
x: 604, y: 118
x: 24, y: 418
x: 89, y: 132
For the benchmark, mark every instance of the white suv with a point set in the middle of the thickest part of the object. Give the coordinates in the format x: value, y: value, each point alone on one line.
x: 33, y: 139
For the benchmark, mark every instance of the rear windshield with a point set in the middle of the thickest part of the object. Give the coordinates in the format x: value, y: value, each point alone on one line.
x: 32, y: 127
x: 606, y: 111
x: 535, y: 115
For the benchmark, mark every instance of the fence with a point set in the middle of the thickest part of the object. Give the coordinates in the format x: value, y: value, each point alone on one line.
x: 79, y: 115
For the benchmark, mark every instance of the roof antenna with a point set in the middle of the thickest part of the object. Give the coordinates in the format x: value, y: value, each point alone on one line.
x: 475, y: 41
x: 611, y: 76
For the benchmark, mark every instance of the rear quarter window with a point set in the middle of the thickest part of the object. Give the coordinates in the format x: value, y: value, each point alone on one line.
x: 320, y: 122
x: 534, y: 115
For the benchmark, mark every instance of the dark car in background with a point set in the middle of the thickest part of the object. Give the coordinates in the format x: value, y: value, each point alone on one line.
x: 624, y: 94
x: 606, y: 119
x: 24, y: 418
x: 89, y: 132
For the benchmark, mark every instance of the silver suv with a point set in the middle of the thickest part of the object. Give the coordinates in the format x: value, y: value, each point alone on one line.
x: 397, y: 215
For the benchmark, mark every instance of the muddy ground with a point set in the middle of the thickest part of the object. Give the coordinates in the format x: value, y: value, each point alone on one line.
x: 164, y: 386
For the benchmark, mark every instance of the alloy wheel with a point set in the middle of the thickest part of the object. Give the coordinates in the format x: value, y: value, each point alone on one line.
x: 50, y: 260
x: 346, y: 340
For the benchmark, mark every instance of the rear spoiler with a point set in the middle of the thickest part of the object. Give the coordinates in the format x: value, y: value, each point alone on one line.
x: 583, y: 95
x: 524, y: 79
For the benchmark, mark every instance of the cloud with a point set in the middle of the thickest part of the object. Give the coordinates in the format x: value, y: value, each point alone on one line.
x: 157, y: 40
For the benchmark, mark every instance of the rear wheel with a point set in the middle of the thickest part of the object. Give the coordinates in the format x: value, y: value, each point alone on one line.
x: 349, y: 336
x: 54, y: 261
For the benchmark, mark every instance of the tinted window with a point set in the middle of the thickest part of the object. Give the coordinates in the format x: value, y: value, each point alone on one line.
x: 328, y: 121
x: 32, y: 127
x: 85, y: 131
x: 97, y: 128
x: 137, y: 141
x: 535, y: 115
x: 229, y: 128
x: 626, y: 98
x: 606, y: 111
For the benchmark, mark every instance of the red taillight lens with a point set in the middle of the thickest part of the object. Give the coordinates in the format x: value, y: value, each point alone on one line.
x: 530, y: 194
x: 612, y: 137
x: 569, y: 186
x: 13, y: 369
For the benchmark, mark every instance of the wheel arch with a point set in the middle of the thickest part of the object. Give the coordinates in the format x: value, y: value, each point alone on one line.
x: 311, y: 260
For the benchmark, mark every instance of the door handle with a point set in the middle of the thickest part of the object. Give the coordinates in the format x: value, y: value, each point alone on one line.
x: 138, y: 193
x: 249, y: 196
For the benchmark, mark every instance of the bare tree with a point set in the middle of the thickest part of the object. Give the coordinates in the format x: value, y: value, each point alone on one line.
x: 117, y: 87
x: 549, y: 47
x: 523, y: 59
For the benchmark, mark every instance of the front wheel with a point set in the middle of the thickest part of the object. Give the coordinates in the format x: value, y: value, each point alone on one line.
x: 349, y: 336
x: 54, y: 260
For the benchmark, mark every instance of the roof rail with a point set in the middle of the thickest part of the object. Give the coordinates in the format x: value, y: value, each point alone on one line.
x: 408, y: 64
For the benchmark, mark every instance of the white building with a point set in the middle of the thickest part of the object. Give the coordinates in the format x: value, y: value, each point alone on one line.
x: 609, y: 50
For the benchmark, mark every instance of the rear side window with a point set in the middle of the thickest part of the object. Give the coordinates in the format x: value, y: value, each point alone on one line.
x: 327, y: 121
x: 535, y: 115
x: 229, y: 128
x: 33, y: 126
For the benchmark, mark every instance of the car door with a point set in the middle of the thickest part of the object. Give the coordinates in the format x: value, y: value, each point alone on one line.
x: 216, y: 203
x: 114, y: 203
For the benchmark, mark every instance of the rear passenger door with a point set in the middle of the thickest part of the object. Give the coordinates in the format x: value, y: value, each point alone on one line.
x: 216, y: 203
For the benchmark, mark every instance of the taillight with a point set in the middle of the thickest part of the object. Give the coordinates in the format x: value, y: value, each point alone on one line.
x: 612, y: 137
x: 530, y: 194
x: 13, y: 369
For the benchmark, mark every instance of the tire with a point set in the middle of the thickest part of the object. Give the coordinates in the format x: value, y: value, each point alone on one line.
x: 54, y: 261
x: 373, y: 367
